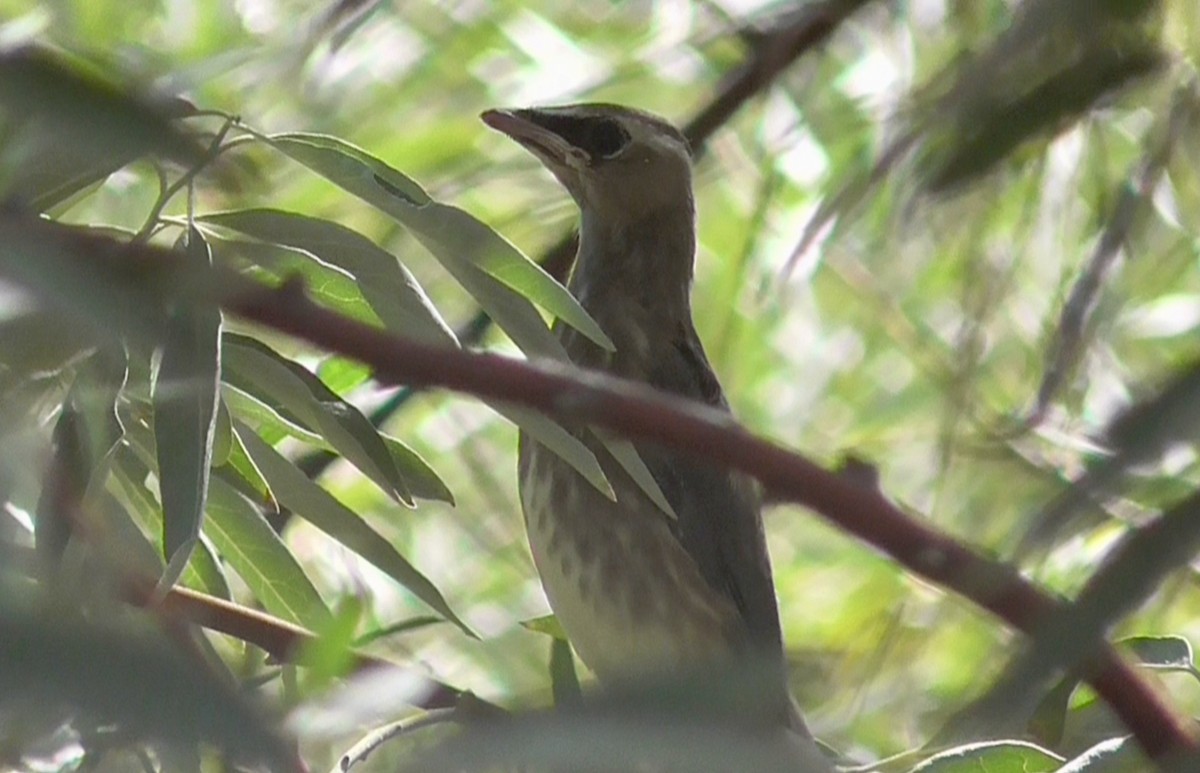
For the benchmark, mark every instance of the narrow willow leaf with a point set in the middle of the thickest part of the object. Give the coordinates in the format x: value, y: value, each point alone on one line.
x: 395, y: 629
x: 222, y: 444
x: 320, y: 508
x: 627, y: 456
x: 387, y: 285
x: 272, y: 424
x: 85, y: 434
x: 245, y: 539
x: 450, y: 234
x: 272, y: 263
x: 564, y: 682
x: 127, y: 482
x: 454, y: 237
x: 63, y: 488
x: 330, y: 655
x: 38, y: 343
x: 240, y: 463
x: 568, y: 447
x: 60, y: 266
x: 342, y: 375
x: 1112, y: 755
x: 185, y: 416
x: 1165, y: 653
x: 256, y: 368
x: 423, y: 481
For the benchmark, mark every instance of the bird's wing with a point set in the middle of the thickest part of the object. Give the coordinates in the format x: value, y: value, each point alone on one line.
x: 720, y: 521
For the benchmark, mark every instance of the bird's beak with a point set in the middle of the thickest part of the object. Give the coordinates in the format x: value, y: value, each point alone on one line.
x: 523, y: 126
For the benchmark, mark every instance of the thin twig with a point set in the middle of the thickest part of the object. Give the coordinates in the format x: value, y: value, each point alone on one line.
x: 381, y: 735
x: 185, y: 180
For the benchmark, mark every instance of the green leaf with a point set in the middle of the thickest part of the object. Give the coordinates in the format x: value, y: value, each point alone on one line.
x: 568, y: 447
x: 37, y: 343
x: 245, y: 539
x: 627, y: 456
x: 1163, y: 653
x: 65, y: 269
x: 330, y: 654
x: 272, y: 264
x: 256, y: 368
x: 1114, y: 755
x: 457, y: 239
x: 992, y: 757
x: 342, y: 375
x: 403, y: 626
x: 386, y: 284
x: 423, y: 481
x: 271, y: 420
x: 85, y: 434
x: 317, y: 506
x: 64, y: 486
x: 222, y: 445
x: 240, y: 463
x: 127, y: 483
x: 564, y: 682
x: 185, y: 418
x: 547, y: 624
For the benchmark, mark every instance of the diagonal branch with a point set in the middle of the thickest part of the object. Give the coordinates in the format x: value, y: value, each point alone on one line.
x: 152, y: 276
x: 641, y: 413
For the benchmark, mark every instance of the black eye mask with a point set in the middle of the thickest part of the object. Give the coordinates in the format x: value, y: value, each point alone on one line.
x: 600, y: 138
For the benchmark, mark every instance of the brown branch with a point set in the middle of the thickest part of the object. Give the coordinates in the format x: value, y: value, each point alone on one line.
x: 151, y: 276
x: 1131, y: 573
x: 641, y: 413
x: 279, y: 638
x: 145, y: 277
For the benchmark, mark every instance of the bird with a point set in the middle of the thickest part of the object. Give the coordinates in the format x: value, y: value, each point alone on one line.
x: 641, y: 592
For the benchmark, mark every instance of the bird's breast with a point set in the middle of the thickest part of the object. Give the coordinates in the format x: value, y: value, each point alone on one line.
x: 628, y: 595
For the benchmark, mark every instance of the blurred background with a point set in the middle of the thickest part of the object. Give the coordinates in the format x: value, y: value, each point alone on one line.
x: 952, y: 239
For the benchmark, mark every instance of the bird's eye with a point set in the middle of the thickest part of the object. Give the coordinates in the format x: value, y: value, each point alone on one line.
x: 605, y: 139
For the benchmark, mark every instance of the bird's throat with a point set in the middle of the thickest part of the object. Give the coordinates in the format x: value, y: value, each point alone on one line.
x: 640, y: 266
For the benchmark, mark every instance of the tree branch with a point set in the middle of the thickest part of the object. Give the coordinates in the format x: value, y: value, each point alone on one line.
x: 641, y: 413
x: 279, y: 638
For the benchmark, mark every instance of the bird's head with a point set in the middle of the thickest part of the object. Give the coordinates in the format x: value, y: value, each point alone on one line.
x: 618, y: 163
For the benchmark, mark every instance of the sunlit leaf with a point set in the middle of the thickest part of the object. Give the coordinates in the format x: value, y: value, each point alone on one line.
x: 256, y: 553
x: 390, y: 289
x: 453, y: 236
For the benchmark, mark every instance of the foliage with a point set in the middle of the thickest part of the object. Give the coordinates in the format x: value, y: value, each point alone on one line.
x: 957, y: 241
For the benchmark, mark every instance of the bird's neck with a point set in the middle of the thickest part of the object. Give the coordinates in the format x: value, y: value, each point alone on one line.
x: 640, y: 267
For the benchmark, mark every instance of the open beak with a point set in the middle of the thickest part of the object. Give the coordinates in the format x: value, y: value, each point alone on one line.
x: 522, y: 126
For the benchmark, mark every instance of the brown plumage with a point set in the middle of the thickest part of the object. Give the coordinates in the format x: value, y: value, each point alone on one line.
x: 637, y: 592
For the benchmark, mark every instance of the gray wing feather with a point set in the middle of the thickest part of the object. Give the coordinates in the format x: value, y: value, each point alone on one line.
x: 720, y: 523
